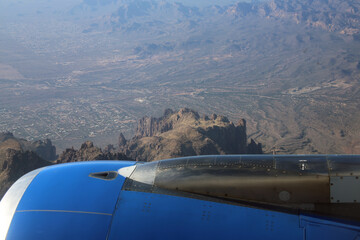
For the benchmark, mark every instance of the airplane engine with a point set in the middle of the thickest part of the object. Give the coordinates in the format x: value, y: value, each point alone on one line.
x: 67, y: 201
x: 205, y: 197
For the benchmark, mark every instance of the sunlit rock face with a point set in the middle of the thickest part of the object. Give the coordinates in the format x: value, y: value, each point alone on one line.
x: 186, y: 133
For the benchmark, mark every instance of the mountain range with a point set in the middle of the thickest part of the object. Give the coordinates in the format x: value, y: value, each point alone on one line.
x: 175, y: 134
x: 291, y: 68
x: 185, y: 133
x: 159, y: 17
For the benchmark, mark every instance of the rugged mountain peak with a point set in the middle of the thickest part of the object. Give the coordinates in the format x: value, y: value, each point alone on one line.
x: 44, y: 148
x: 5, y: 136
x: 89, y: 152
x: 15, y: 162
x: 242, y: 123
x: 168, y: 112
x: 122, y: 140
x: 185, y: 133
x: 254, y: 148
x: 151, y: 126
x: 87, y: 145
x: 184, y: 112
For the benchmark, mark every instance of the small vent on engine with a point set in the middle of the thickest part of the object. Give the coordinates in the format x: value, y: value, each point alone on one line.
x: 111, y: 175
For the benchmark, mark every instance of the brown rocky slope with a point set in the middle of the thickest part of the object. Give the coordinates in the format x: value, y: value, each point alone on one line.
x: 89, y: 152
x: 43, y: 148
x: 15, y: 161
x: 185, y: 133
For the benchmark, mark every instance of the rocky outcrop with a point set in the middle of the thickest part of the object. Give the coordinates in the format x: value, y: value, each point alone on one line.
x: 122, y: 140
x: 150, y: 126
x: 5, y: 136
x: 254, y: 148
x: 185, y: 133
x: 89, y: 152
x: 44, y: 148
x: 15, y: 162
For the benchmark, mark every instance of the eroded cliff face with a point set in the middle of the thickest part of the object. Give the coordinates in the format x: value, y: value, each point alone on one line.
x: 44, y: 148
x: 186, y: 133
x: 15, y: 162
x: 89, y: 152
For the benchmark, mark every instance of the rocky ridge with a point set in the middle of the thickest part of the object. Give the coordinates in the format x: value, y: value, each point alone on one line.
x: 89, y: 152
x: 15, y: 161
x: 331, y: 15
x: 175, y: 134
x: 185, y: 133
x: 43, y: 148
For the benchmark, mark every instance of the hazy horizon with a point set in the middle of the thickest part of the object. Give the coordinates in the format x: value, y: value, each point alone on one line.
x: 75, y: 70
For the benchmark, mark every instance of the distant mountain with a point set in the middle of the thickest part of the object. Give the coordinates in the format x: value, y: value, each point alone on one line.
x: 291, y: 68
x: 332, y: 15
x: 150, y: 15
x: 185, y: 133
x: 98, y: 2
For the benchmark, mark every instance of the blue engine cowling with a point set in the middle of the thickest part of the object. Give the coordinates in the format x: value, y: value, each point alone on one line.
x: 163, y: 200
x: 67, y: 201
